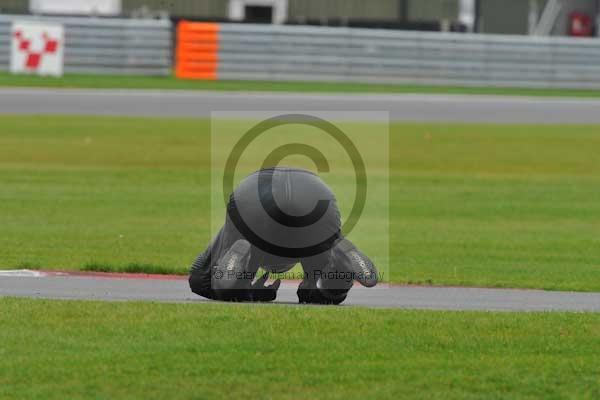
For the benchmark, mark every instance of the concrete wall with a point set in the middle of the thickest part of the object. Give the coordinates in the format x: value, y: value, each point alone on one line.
x: 371, y: 9
x: 496, y: 16
x: 14, y: 6
x: 297, y: 9
x: 383, y: 10
x: 433, y: 10
x: 504, y: 16
x: 392, y: 10
x: 216, y: 9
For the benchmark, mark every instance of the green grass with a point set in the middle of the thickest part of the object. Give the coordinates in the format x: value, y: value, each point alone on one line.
x: 484, y: 205
x: 132, y: 268
x: 82, y: 350
x: 168, y: 83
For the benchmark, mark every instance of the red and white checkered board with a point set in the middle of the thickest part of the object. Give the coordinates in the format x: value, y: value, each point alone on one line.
x: 37, y: 48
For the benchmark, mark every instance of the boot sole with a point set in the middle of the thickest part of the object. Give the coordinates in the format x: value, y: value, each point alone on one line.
x: 361, y: 266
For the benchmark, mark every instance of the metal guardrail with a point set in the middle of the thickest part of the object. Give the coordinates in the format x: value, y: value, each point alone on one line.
x: 266, y: 52
x: 105, y: 45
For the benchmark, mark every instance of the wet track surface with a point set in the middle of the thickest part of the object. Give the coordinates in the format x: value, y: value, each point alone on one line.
x: 402, y: 107
x: 169, y: 289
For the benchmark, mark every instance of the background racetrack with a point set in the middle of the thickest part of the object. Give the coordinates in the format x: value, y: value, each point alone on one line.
x: 401, y: 107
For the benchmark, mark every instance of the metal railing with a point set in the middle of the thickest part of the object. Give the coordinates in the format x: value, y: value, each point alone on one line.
x: 105, y: 45
x: 266, y: 52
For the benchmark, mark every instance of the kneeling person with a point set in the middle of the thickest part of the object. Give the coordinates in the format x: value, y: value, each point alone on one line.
x: 276, y: 218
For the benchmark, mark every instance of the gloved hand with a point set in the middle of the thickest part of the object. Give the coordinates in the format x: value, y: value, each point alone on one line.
x: 232, y: 279
x: 260, y: 292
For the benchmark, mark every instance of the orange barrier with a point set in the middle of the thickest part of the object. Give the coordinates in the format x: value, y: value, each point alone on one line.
x: 196, y: 55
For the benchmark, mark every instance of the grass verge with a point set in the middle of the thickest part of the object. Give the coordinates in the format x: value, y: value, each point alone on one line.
x: 132, y: 268
x: 484, y: 205
x: 82, y: 350
x: 171, y: 83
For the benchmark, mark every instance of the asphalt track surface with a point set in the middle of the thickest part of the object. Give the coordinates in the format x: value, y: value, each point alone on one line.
x: 401, y: 107
x: 109, y: 287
